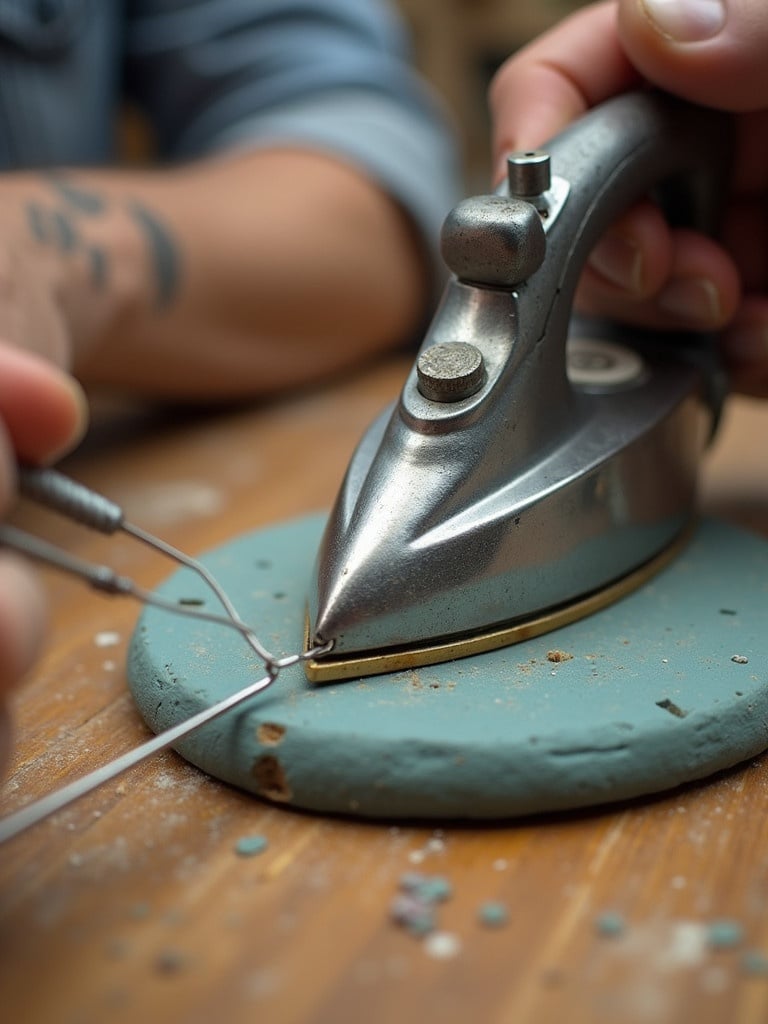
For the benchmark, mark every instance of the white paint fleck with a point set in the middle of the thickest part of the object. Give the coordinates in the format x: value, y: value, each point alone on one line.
x: 107, y: 638
x: 435, y: 845
x: 442, y: 945
x: 687, y: 945
x: 679, y: 882
x: 500, y: 864
x: 416, y: 856
x: 164, y: 780
x: 109, y: 665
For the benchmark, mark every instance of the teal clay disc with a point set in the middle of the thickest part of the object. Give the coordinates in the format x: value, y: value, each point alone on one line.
x: 666, y: 686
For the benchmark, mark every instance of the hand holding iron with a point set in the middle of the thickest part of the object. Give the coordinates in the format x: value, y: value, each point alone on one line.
x: 706, y: 51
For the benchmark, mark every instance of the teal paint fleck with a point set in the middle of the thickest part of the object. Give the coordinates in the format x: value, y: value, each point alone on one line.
x: 415, y: 907
x: 725, y: 934
x: 493, y: 914
x: 755, y: 962
x: 435, y: 889
x: 251, y: 846
x: 413, y: 914
x: 610, y: 924
x: 428, y: 888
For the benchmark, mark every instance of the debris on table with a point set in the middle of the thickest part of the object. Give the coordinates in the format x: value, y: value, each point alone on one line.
x: 493, y: 914
x: 251, y: 846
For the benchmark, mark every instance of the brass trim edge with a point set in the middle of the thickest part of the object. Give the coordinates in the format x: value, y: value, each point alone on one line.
x: 358, y: 666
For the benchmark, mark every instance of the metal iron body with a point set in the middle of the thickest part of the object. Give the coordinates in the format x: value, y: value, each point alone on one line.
x: 521, y: 470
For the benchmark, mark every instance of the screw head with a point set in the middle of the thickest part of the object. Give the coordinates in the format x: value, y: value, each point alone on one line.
x: 450, y: 371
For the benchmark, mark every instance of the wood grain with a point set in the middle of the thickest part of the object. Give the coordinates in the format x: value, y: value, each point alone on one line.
x: 133, y: 904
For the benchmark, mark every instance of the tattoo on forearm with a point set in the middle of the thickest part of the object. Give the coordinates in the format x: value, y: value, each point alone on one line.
x: 162, y: 251
x: 66, y: 235
x: 67, y: 225
x: 98, y: 261
x: 38, y: 222
x: 84, y: 201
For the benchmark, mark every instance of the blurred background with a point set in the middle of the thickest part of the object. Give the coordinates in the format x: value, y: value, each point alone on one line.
x: 459, y: 44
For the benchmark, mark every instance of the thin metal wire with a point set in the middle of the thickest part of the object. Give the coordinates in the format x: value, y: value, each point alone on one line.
x: 205, y: 574
x: 105, y: 579
x: 50, y: 488
x: 19, y: 821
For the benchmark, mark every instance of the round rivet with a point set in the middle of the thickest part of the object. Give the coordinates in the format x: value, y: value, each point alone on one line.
x: 450, y: 371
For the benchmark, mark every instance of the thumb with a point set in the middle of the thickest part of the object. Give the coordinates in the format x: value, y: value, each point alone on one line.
x: 711, y: 52
x: 42, y: 409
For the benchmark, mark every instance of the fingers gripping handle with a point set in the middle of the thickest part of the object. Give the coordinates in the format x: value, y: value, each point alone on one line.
x: 634, y: 145
x: 628, y: 147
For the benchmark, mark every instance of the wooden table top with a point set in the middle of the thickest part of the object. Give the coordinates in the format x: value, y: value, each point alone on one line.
x: 133, y: 904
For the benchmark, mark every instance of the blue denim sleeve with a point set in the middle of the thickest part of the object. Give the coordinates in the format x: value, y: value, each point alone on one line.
x: 331, y: 74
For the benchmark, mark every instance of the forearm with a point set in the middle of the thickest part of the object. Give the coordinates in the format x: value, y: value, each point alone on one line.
x: 233, y: 277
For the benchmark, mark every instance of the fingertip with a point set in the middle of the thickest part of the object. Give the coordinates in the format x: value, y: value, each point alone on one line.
x: 556, y: 78
x: 44, y: 409
x: 73, y: 416
x: 710, y: 52
x: 635, y: 254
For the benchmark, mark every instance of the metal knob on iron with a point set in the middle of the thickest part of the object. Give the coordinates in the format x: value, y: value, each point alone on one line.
x: 493, y: 240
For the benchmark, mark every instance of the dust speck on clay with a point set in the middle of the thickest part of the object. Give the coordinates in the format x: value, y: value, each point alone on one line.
x: 558, y: 656
x: 671, y: 707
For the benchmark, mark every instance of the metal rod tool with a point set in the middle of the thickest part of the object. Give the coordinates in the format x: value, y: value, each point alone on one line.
x: 64, y: 495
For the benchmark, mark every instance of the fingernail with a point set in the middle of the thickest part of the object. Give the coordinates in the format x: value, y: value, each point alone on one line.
x: 685, y: 21
x: 692, y: 299
x: 618, y: 260
x: 748, y: 344
x: 77, y: 422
